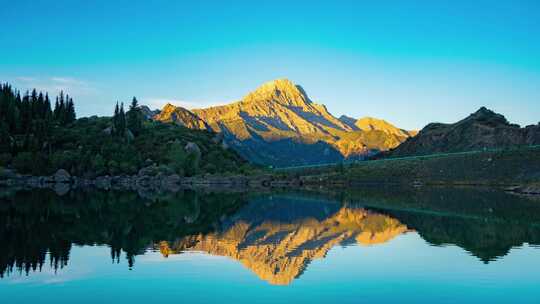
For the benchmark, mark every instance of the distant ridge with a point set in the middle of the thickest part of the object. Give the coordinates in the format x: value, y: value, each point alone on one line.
x: 480, y: 130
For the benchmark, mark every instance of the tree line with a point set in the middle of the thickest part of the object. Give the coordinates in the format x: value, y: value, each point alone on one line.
x: 130, y: 122
x: 38, y: 138
x: 26, y: 122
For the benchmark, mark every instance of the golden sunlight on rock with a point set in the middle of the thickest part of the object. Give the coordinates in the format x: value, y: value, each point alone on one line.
x: 281, y: 110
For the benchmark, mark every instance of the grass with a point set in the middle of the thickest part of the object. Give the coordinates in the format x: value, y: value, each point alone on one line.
x: 501, y: 167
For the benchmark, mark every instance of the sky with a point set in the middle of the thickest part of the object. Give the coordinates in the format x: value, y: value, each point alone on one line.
x: 408, y: 62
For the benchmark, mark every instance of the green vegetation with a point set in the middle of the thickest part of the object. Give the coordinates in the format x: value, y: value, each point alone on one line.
x: 500, y: 167
x: 37, y: 140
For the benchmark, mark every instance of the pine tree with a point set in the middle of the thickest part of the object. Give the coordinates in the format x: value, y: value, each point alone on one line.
x: 70, y: 111
x: 56, y: 109
x: 61, y: 109
x: 26, y: 115
x: 121, y: 120
x: 34, y: 106
x: 40, y: 108
x: 134, y: 117
x: 48, y: 112
x: 115, y: 118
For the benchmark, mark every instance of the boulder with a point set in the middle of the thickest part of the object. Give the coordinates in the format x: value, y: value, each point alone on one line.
x: 148, y: 171
x: 62, y: 176
x: 108, y: 130
x: 61, y: 188
x: 148, y: 162
x: 192, y: 147
x: 103, y: 182
x: 173, y: 179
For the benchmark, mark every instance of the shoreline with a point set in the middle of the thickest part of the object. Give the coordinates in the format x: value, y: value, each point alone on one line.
x: 61, y: 182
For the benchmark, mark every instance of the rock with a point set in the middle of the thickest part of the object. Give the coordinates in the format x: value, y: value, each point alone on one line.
x: 480, y: 131
x: 147, y: 113
x: 62, y: 176
x: 103, y: 182
x: 172, y: 180
x: 180, y: 116
x: 61, y: 188
x: 192, y: 147
x: 108, y: 130
x: 148, y: 171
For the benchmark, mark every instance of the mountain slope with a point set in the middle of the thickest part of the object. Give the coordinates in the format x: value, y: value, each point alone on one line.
x: 180, y: 116
x: 278, y: 124
x: 480, y: 130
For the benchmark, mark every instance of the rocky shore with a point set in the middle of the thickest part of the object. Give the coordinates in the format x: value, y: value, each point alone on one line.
x: 145, y: 180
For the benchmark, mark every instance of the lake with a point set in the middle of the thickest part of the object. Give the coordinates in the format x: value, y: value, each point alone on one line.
x: 363, y: 245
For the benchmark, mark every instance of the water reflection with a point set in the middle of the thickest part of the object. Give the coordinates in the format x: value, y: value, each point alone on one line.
x: 39, y: 222
x: 275, y: 235
x: 278, y: 247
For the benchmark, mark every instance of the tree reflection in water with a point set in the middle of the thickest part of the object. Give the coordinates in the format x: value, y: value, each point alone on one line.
x: 276, y: 235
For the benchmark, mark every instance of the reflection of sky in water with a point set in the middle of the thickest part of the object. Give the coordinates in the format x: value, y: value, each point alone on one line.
x: 403, y: 268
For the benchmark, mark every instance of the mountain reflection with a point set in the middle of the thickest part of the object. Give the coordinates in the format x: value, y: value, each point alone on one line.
x: 276, y: 235
x: 278, y: 248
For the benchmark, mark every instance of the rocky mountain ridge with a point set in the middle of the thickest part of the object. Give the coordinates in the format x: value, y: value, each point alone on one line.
x: 483, y: 129
x: 278, y: 124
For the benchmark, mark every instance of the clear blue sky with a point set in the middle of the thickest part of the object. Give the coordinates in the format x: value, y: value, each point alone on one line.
x: 410, y: 62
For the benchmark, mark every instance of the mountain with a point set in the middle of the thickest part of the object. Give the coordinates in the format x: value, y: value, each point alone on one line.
x: 180, y: 116
x: 483, y: 129
x: 148, y: 113
x: 371, y: 124
x: 278, y: 124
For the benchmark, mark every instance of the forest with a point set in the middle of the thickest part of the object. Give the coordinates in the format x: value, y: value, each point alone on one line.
x: 38, y: 138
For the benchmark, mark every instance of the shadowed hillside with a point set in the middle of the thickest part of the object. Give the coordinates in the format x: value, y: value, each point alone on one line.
x: 484, y: 129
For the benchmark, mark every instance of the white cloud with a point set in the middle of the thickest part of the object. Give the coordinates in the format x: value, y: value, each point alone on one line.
x: 53, y: 85
x: 158, y: 103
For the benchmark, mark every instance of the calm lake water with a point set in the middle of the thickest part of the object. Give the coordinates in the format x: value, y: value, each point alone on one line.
x: 429, y: 245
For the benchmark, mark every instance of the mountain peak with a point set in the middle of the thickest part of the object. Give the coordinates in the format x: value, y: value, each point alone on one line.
x: 169, y: 106
x: 485, y: 114
x: 181, y: 116
x: 279, y: 90
x: 478, y: 131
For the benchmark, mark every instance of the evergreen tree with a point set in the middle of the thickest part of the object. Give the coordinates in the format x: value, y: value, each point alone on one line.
x: 34, y: 106
x: 48, y: 112
x: 26, y: 115
x: 115, y: 118
x: 70, y: 112
x: 121, y: 120
x: 40, y: 108
x: 134, y: 117
x: 56, y: 111
x: 61, y: 113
